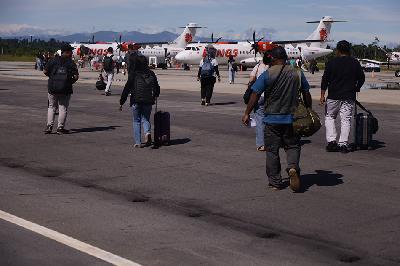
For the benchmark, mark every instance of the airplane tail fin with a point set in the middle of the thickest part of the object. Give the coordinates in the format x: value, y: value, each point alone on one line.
x: 322, y: 32
x: 187, y: 35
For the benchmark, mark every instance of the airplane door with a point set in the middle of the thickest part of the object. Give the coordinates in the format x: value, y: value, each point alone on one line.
x: 153, y: 60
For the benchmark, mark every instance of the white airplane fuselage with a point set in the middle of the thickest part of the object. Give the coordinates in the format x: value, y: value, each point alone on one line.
x: 242, y: 53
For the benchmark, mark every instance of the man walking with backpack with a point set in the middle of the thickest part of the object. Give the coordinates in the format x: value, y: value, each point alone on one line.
x: 281, y: 84
x: 208, y: 70
x: 62, y: 73
x: 108, y: 69
x: 343, y: 78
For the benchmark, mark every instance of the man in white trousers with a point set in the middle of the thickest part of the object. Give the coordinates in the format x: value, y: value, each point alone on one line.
x: 343, y: 78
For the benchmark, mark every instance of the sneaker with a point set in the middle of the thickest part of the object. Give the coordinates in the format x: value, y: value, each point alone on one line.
x: 48, y: 130
x: 294, y: 180
x: 207, y: 104
x: 108, y: 93
x: 344, y: 149
x: 332, y: 147
x: 203, y: 102
x: 137, y: 146
x: 61, y: 131
x: 275, y: 188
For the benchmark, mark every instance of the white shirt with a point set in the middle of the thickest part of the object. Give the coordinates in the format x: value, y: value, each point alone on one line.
x: 258, y: 70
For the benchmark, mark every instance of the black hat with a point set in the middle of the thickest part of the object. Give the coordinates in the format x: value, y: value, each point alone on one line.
x: 66, y: 47
x: 278, y: 53
x: 344, y: 47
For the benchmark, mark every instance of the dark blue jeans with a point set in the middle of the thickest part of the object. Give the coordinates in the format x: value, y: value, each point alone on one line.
x: 141, y: 115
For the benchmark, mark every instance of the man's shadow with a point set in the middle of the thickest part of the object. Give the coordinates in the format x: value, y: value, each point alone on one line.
x: 223, y: 103
x: 320, y: 178
x: 92, y: 129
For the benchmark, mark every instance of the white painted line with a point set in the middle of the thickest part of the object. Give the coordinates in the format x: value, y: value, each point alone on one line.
x: 68, y: 241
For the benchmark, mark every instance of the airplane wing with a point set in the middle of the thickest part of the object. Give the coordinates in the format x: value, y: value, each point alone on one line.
x: 373, y: 61
x: 295, y: 41
x: 152, y: 43
x: 219, y: 42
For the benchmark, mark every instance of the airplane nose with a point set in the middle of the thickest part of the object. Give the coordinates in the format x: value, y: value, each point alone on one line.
x: 180, y: 57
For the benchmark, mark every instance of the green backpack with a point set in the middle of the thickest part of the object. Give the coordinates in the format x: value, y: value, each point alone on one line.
x: 306, y: 121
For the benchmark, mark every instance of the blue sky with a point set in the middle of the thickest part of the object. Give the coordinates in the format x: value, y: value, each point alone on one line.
x: 281, y: 20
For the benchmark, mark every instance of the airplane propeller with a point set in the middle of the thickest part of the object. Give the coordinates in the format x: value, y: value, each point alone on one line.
x: 212, y: 38
x: 119, y: 45
x: 84, y: 50
x: 254, y: 45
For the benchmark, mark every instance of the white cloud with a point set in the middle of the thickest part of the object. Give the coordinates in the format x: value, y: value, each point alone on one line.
x: 25, y: 29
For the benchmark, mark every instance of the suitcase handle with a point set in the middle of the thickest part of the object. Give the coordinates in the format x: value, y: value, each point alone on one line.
x: 363, y: 108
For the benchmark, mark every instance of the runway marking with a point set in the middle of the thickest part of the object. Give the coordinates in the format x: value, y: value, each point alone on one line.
x: 68, y: 241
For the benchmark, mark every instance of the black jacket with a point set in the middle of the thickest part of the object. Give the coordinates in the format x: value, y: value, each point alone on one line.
x: 343, y: 78
x: 71, y: 68
x: 137, y: 94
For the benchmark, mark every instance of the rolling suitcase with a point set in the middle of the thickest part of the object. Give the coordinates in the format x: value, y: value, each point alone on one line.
x: 366, y: 125
x: 162, y: 128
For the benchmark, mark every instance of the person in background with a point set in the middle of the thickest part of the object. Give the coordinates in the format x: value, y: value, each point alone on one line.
x: 281, y: 84
x: 62, y: 72
x: 313, y: 66
x: 40, y: 61
x: 143, y: 87
x: 343, y: 78
x: 131, y: 52
x: 108, y: 69
x: 259, y: 69
x: 208, y: 70
x: 232, y: 68
x: 90, y: 60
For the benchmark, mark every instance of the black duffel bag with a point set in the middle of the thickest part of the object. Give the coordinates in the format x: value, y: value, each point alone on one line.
x: 100, y: 84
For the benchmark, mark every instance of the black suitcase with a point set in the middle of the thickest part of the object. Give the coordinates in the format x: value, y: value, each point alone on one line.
x: 162, y: 128
x: 366, y: 125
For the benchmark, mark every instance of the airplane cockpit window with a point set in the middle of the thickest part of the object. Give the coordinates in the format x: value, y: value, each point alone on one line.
x: 188, y: 48
x: 193, y: 48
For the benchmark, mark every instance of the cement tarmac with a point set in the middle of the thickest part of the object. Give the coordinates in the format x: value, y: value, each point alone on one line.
x: 201, y: 201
